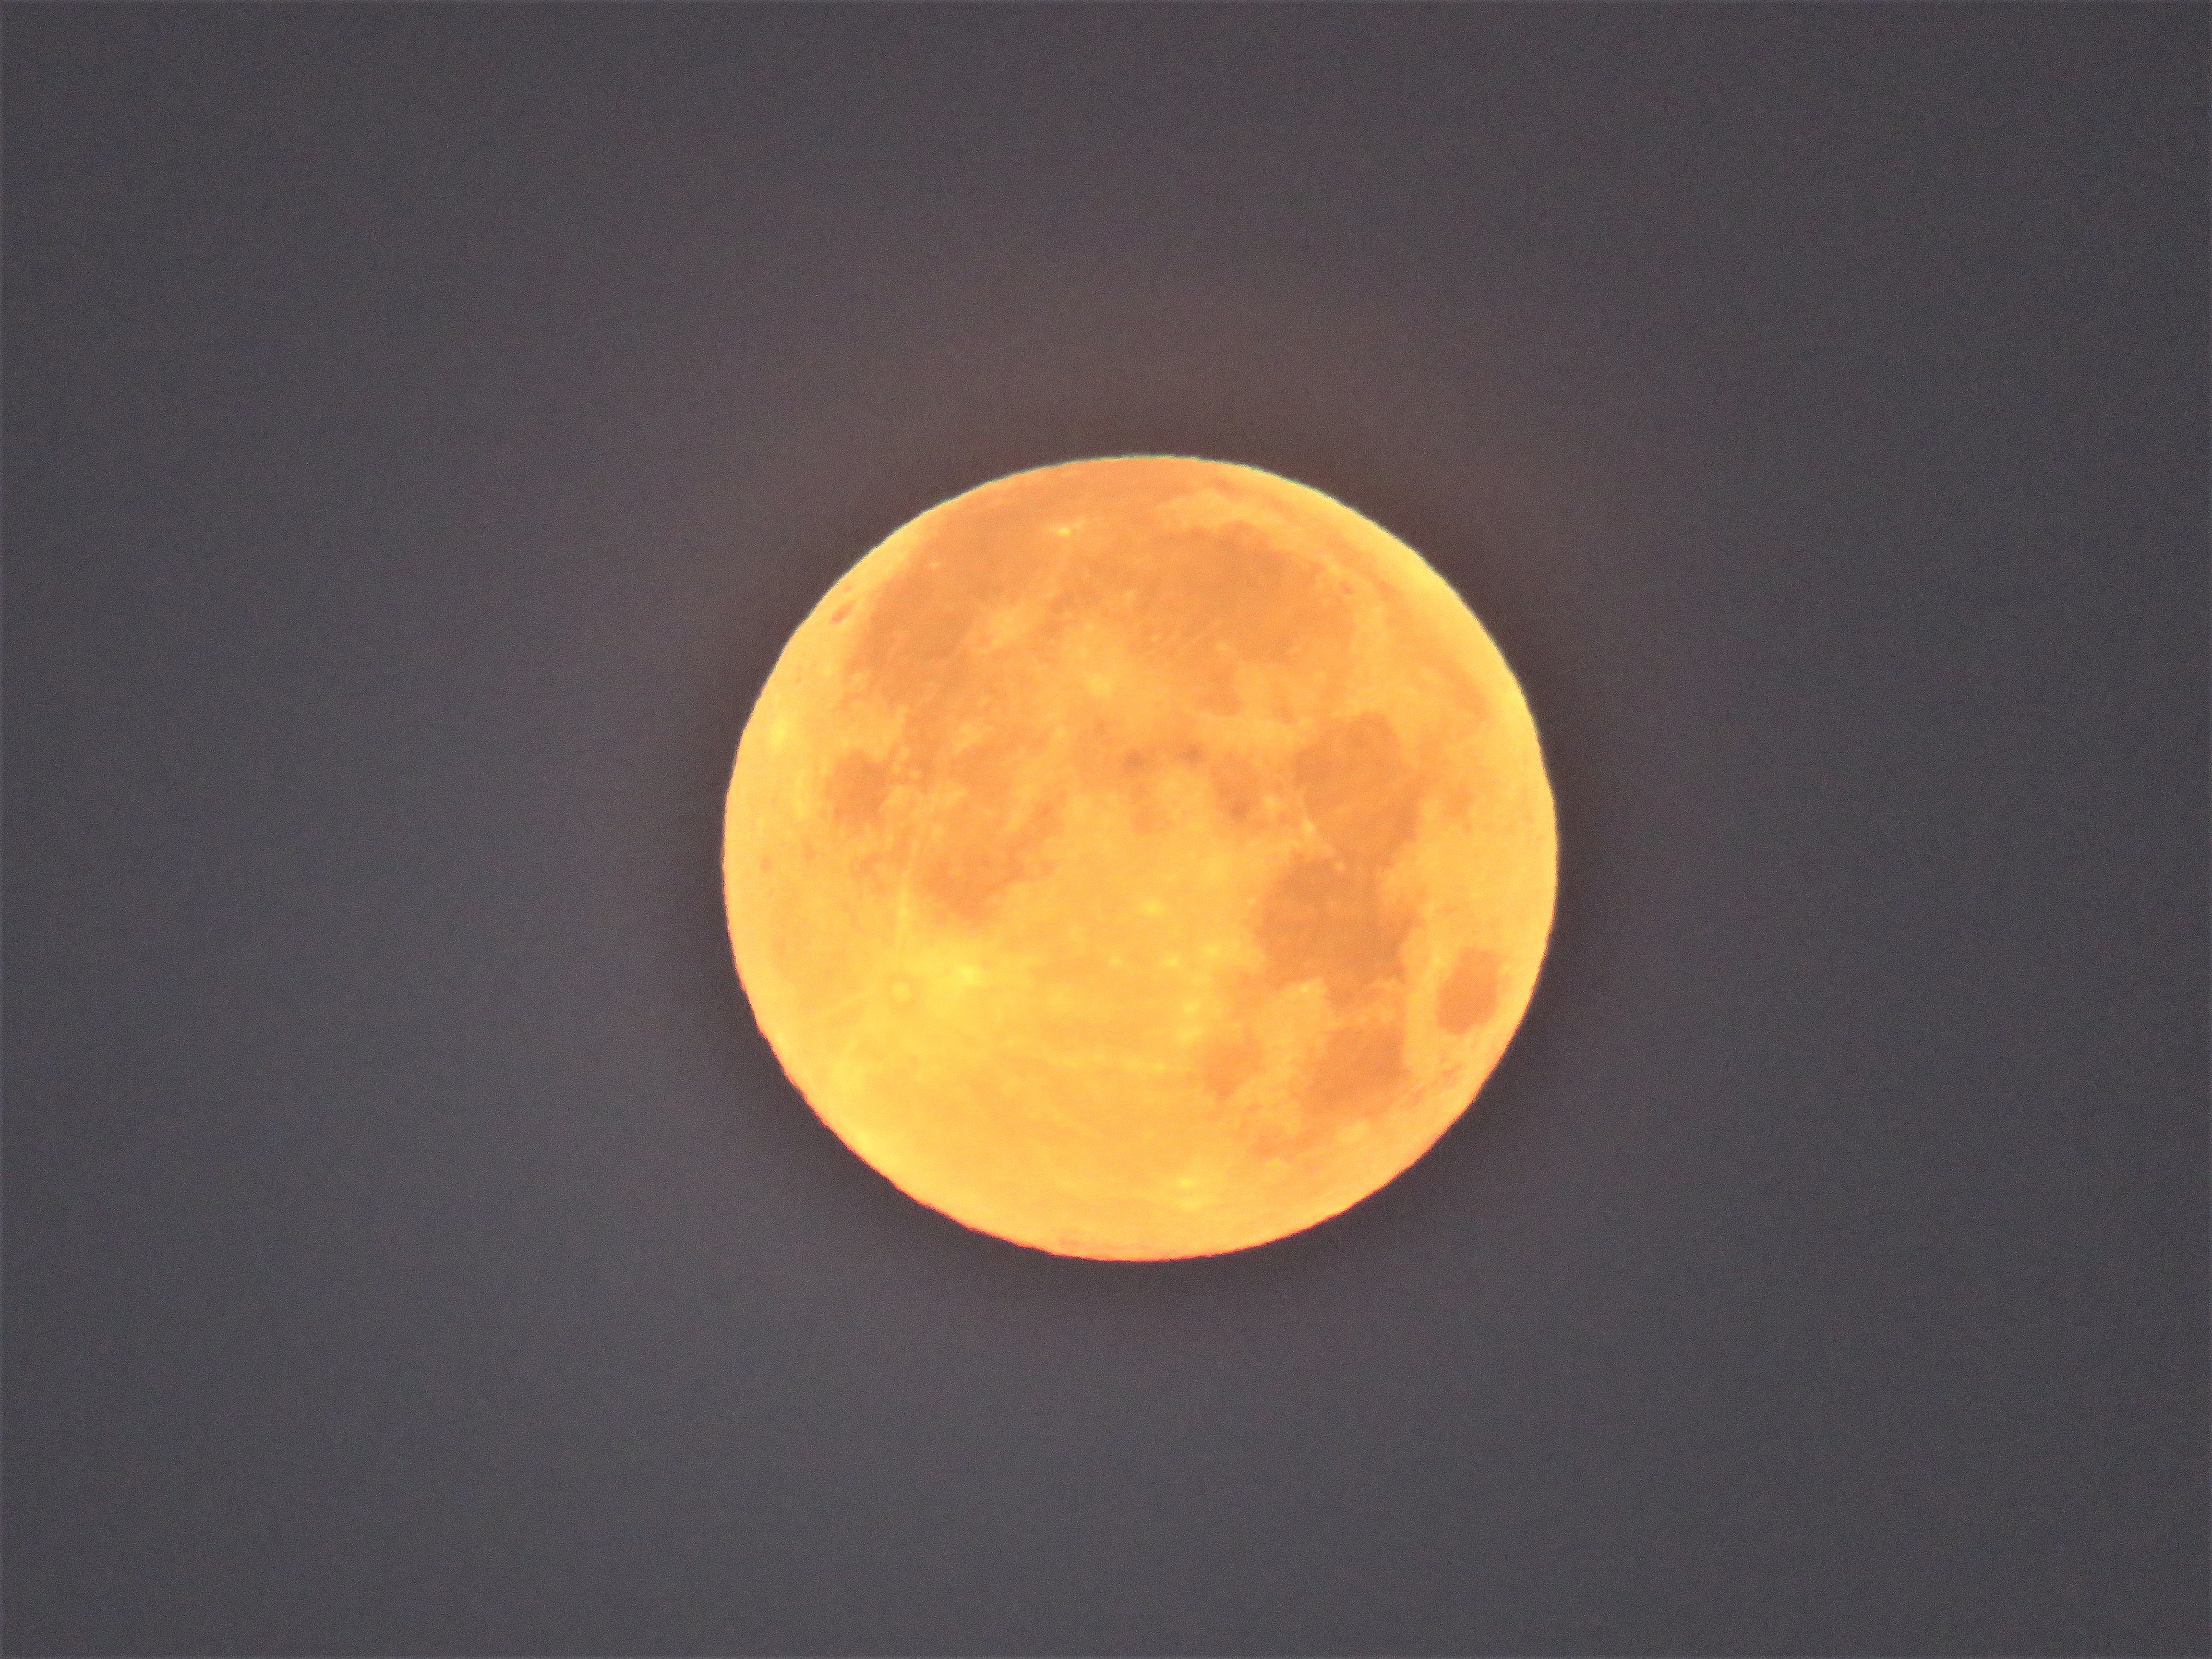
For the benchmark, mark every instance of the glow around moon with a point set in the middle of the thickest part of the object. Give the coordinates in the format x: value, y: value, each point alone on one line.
x: 1139, y: 858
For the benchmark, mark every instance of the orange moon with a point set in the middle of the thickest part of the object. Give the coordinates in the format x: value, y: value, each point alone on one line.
x: 1139, y: 858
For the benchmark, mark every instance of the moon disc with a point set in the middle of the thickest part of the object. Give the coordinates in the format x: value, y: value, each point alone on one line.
x: 1139, y: 858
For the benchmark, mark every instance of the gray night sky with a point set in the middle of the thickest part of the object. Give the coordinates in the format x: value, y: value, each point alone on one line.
x: 425, y: 423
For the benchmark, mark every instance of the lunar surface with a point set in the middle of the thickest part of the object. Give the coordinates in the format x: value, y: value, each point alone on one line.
x: 1139, y: 858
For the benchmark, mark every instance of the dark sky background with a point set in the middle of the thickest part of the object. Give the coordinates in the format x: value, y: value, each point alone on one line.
x: 423, y: 427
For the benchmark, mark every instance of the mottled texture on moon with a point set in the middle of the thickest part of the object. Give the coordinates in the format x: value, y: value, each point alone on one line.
x: 1139, y: 858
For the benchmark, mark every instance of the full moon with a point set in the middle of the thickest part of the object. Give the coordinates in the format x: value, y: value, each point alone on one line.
x: 1139, y: 858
